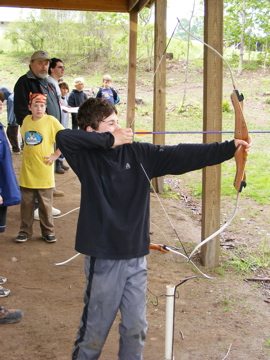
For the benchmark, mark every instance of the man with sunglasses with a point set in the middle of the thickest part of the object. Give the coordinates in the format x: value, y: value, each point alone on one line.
x: 56, y: 71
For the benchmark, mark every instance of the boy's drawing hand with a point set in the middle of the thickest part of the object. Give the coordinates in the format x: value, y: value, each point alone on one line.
x: 50, y: 159
x: 1, y: 200
x: 122, y: 136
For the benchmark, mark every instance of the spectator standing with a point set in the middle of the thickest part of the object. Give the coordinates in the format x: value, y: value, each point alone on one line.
x: 107, y: 92
x: 35, y: 81
x: 13, y: 127
x: 9, y: 195
x: 37, y: 175
x: 56, y: 72
x: 76, y: 98
x: 64, y: 88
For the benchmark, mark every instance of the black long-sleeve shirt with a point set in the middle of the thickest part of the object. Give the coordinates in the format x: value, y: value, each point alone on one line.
x: 114, y: 211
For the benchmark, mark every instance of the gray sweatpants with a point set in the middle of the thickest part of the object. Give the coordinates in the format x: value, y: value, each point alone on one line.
x: 113, y: 285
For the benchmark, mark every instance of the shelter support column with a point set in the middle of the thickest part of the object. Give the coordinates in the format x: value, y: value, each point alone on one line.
x: 159, y: 101
x: 212, y: 121
x: 131, y: 93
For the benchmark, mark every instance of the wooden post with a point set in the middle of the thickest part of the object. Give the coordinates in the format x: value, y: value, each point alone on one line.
x: 212, y: 120
x: 159, y: 101
x: 131, y: 91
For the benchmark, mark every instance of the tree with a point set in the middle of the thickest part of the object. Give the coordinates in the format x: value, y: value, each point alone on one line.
x: 31, y: 31
x: 245, y: 22
x: 146, y: 34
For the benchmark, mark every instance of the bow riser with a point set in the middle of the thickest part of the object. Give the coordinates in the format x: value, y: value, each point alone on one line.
x: 241, y: 132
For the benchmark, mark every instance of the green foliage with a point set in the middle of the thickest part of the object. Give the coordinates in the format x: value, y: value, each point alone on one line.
x: 226, y: 107
x: 246, y: 24
x: 67, y: 33
x: 246, y: 260
x: 267, y: 342
x: 196, y: 29
x: 169, y: 193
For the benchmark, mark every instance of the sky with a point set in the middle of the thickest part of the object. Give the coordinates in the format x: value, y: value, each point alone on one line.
x: 175, y: 8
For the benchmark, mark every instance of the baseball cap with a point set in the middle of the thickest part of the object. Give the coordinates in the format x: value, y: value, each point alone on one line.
x: 40, y: 55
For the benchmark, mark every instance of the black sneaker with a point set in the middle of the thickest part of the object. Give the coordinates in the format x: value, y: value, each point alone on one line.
x: 10, y: 316
x: 49, y: 238
x: 64, y: 167
x: 21, y: 238
x: 59, y: 170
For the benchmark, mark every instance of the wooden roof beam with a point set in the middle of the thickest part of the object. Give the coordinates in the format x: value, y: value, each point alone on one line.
x: 81, y: 5
x: 138, y: 5
x: 131, y: 4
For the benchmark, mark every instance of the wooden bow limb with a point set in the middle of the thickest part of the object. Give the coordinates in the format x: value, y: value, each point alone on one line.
x: 241, y: 132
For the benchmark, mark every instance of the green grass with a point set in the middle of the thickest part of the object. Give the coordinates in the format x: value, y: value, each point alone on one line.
x: 247, y: 261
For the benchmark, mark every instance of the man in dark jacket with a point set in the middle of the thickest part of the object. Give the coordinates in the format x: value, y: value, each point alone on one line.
x: 35, y: 81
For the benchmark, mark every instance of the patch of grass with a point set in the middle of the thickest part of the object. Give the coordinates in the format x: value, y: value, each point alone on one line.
x: 267, y: 342
x: 169, y: 193
x: 245, y: 261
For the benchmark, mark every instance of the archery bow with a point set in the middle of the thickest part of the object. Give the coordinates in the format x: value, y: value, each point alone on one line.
x: 240, y: 154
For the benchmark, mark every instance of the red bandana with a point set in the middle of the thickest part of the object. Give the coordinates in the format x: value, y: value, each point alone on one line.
x: 37, y: 98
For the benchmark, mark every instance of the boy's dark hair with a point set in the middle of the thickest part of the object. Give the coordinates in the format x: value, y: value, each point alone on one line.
x: 63, y: 85
x: 53, y: 64
x: 93, y: 111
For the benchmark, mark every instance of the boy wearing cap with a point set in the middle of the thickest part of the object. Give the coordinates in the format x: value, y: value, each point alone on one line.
x: 37, y: 175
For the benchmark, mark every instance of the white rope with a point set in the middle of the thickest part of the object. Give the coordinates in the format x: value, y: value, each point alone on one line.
x: 59, y: 216
x: 68, y: 260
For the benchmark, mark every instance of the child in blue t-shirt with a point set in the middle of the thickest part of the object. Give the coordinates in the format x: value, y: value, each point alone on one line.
x: 107, y: 92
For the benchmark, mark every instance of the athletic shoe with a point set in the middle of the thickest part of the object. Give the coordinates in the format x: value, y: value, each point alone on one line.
x: 4, y: 292
x: 55, y: 212
x: 3, y: 280
x: 49, y: 238
x: 21, y: 238
x: 36, y: 215
x: 10, y: 316
x: 58, y: 193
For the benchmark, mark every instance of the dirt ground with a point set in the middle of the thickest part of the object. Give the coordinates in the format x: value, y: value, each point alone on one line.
x: 225, y: 317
